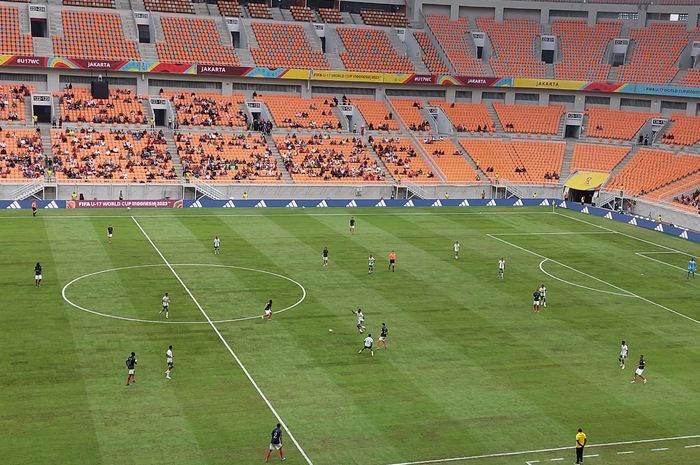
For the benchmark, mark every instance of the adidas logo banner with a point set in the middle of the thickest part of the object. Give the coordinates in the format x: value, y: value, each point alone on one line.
x: 608, y: 216
x: 633, y: 221
x: 545, y: 203
x: 585, y: 210
x: 322, y: 204
x: 519, y: 203
x: 437, y: 203
x: 381, y: 203
x: 51, y: 204
x: 409, y: 204
x: 464, y: 203
x: 492, y: 203
x: 196, y: 204
x: 352, y: 204
x: 229, y: 204
x: 292, y: 204
x: 261, y: 204
x: 660, y: 227
x: 683, y: 235
x: 14, y: 205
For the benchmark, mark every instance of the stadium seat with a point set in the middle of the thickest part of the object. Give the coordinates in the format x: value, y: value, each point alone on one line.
x: 452, y: 37
x: 685, y: 130
x: 90, y: 3
x: 530, y: 119
x: 88, y: 34
x: 615, y: 124
x: 684, y: 193
x: 12, y: 102
x: 370, y: 50
x: 467, y: 117
x: 227, y: 158
x: 651, y: 169
x: 430, y: 55
x: 450, y: 161
x: 169, y: 6
x: 111, y: 157
x: 11, y: 41
x: 583, y: 49
x: 597, y: 157
x: 21, y: 155
x: 691, y: 78
x: 402, y: 161
x: 318, y: 159
x: 514, y: 46
x: 285, y: 45
x: 230, y: 8
x: 520, y: 161
x: 302, y: 13
x: 330, y: 15
x: 375, y: 114
x: 383, y: 18
x: 259, y: 10
x: 206, y: 109
x: 294, y: 112
x: 409, y: 112
x: 122, y: 107
x: 197, y: 40
x: 653, y: 60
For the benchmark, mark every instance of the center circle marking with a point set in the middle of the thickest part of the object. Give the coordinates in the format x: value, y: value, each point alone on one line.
x: 141, y: 320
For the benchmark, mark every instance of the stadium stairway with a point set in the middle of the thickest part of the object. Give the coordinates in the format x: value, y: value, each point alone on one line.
x: 55, y: 24
x: 43, y: 46
x: 346, y: 17
x: 494, y: 117
x: 568, y: 156
x: 378, y: 160
x: 24, y: 26
x: 280, y: 162
x: 623, y: 162
x: 400, y: 46
x: 148, y: 52
x: 276, y: 14
x: 287, y: 15
x: 172, y: 148
x: 426, y: 116
x: 440, y: 51
x: 129, y: 25
x: 356, y: 18
x: 55, y: 108
x: 28, y: 110
x: 245, y: 58
x: 46, y: 140
x: 224, y: 34
x: 470, y: 160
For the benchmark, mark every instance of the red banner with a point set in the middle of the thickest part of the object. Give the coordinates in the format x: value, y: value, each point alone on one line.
x: 106, y: 65
x: 601, y: 86
x: 476, y: 81
x: 29, y: 61
x: 422, y: 79
x: 124, y: 204
x: 223, y: 70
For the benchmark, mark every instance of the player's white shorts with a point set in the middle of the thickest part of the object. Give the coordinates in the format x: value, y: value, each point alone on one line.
x: 325, y: 259
x: 132, y: 371
x: 500, y: 270
x: 275, y: 446
x: 368, y: 347
x: 639, y: 372
x: 352, y: 228
x: 536, y: 303
x: 382, y: 339
x: 268, y: 313
x: 109, y: 235
x: 623, y: 355
x: 37, y: 276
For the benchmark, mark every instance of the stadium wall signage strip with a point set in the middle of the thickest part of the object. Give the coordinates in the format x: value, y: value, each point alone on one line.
x: 127, y: 66
x: 638, y: 221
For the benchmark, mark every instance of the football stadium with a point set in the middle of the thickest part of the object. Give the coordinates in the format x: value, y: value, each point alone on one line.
x: 338, y: 232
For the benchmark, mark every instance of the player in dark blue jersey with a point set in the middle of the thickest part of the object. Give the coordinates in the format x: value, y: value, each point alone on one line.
x: 131, y: 367
x: 268, y: 310
x: 640, y: 370
x: 383, y: 335
x: 110, y: 231
x: 352, y: 225
x: 276, y: 443
x: 536, y: 297
x: 37, y: 274
x: 325, y: 256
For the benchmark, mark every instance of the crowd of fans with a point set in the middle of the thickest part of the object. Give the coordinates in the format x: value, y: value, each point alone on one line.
x: 80, y: 107
x: 88, y: 154
x: 237, y: 157
x: 401, y: 156
x: 207, y: 111
x: 322, y: 157
x: 692, y: 200
x: 9, y: 98
x: 21, y: 154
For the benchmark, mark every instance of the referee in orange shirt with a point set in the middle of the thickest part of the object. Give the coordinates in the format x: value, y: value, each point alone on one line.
x: 581, y: 441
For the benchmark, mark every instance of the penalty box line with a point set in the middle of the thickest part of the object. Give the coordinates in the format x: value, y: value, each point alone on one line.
x: 226, y: 344
x: 670, y: 310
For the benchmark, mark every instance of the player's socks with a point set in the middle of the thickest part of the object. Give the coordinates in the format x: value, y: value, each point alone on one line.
x: 267, y: 457
x: 645, y: 380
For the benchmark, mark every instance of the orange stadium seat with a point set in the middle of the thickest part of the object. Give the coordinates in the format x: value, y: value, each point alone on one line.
x: 283, y: 45
x: 88, y: 34
x: 90, y: 3
x: 615, y: 124
x: 676, y: 191
x: 691, y: 78
x: 113, y: 157
x: 226, y: 158
x: 530, y: 119
x: 651, y: 169
x: 520, y: 161
x: 259, y: 10
x: 12, y: 102
x: 123, y: 107
x: 467, y: 117
x: 230, y: 8
x: 197, y: 40
x: 452, y: 37
x: 597, y: 157
x: 402, y: 161
x: 409, y: 112
x: 684, y: 131
x: 169, y: 6
x: 583, y: 49
x: 294, y: 112
x: 11, y: 41
x: 319, y: 159
x: 514, y: 44
x: 330, y: 15
x: 383, y: 18
x: 302, y: 13
x: 449, y: 160
x: 21, y: 155
x: 430, y: 55
x: 370, y: 50
x: 653, y: 61
x: 375, y: 114
x: 206, y: 110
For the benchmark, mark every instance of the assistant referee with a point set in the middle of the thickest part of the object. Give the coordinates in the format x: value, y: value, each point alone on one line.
x: 581, y: 441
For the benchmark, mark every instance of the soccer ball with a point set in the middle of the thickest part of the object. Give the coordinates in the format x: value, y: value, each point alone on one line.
x: 330, y: 330
x: 128, y: 209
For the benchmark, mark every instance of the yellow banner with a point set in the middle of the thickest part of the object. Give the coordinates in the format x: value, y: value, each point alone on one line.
x: 586, y: 180
x: 296, y: 74
x: 349, y: 76
x: 549, y: 84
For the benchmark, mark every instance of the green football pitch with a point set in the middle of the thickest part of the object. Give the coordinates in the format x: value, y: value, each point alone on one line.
x: 470, y: 376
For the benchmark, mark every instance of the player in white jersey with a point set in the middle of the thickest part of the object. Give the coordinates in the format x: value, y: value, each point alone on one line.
x: 368, y: 345
x: 543, y: 295
x: 501, y: 267
x: 456, y: 249
x: 166, y: 306
x: 169, y: 362
x: 623, y: 354
x: 360, y: 320
x: 217, y: 245
x: 370, y: 263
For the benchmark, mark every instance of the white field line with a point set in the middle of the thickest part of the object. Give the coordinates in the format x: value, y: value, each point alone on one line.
x: 558, y: 459
x: 538, y: 451
x: 590, y: 455
x: 643, y: 254
x: 670, y: 310
x: 559, y: 233
x: 580, y: 285
x: 226, y: 344
x: 659, y: 449
x: 691, y: 446
x: 625, y: 452
x: 623, y: 234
